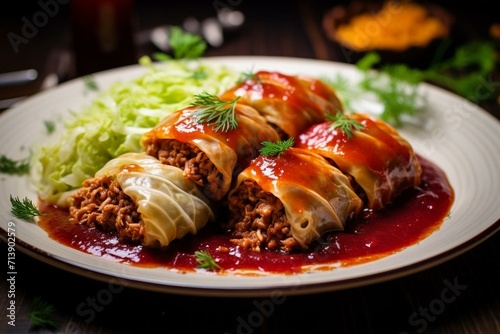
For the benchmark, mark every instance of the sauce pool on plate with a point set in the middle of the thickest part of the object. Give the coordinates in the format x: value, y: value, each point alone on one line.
x: 416, y: 213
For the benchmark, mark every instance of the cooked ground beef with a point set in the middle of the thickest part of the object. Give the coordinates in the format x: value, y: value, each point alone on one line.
x: 258, y: 220
x: 193, y: 161
x: 102, y: 203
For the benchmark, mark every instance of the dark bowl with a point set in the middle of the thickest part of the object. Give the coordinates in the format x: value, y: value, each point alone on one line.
x: 415, y: 56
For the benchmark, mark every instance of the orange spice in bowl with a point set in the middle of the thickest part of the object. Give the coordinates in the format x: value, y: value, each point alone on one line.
x: 392, y: 27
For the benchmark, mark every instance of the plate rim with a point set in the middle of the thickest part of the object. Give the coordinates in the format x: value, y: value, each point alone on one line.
x: 304, y: 288
x: 311, y: 288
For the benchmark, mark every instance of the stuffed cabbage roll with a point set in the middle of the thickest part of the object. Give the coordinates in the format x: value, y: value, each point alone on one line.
x: 143, y: 200
x: 287, y: 201
x: 381, y: 162
x: 208, y: 156
x: 290, y: 103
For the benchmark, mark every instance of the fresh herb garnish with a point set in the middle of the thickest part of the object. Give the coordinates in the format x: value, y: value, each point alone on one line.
x: 24, y: 209
x: 466, y: 72
x: 272, y: 149
x: 395, y: 85
x: 344, y: 123
x: 211, y: 109
x: 90, y: 82
x: 50, y: 126
x: 161, y: 56
x: 205, y: 260
x: 247, y: 75
x: 41, y: 314
x: 13, y: 167
x: 186, y: 45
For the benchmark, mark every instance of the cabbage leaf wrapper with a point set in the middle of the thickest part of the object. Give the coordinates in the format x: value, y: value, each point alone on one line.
x: 114, y: 120
x: 286, y: 202
x: 290, y: 103
x: 209, y: 157
x: 143, y: 199
x: 380, y: 160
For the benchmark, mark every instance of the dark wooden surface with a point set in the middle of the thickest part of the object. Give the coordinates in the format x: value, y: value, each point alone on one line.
x: 417, y: 303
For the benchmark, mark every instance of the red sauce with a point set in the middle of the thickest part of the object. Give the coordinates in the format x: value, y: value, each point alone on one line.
x: 290, y: 102
x: 415, y: 214
x: 374, y: 146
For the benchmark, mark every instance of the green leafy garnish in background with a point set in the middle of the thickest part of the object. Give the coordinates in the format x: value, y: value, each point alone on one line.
x: 24, y: 209
x: 205, y: 260
x: 271, y: 149
x: 396, y: 85
x: 41, y: 314
x: 467, y: 71
x: 184, y: 45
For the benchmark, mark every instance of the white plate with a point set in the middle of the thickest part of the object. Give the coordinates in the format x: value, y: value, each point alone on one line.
x: 461, y: 138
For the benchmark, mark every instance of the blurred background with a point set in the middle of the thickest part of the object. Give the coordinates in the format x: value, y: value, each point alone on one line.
x: 64, y: 39
x: 78, y: 37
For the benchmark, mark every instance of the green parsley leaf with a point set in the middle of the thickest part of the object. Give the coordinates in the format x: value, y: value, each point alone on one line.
x: 211, y: 109
x: 161, y: 56
x: 186, y: 45
x: 205, y: 260
x: 24, y: 209
x: 275, y: 149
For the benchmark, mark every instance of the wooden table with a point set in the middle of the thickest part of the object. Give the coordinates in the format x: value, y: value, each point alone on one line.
x: 417, y: 303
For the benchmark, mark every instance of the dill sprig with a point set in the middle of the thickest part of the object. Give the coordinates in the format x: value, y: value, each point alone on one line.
x: 24, y: 209
x: 14, y: 167
x: 248, y: 75
x: 205, y: 260
x: 211, y: 109
x: 41, y: 314
x: 272, y: 149
x: 344, y: 123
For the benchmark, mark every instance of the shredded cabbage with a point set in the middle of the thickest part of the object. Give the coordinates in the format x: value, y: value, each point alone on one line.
x: 113, y: 123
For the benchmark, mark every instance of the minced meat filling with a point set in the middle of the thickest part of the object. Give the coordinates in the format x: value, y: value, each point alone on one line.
x: 102, y: 203
x: 195, y: 163
x: 258, y: 219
